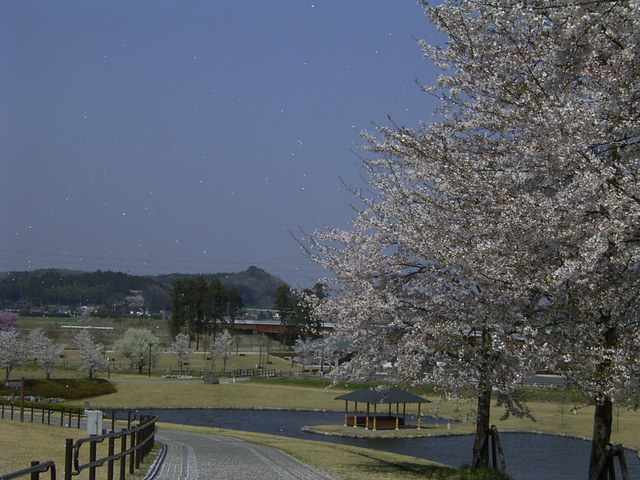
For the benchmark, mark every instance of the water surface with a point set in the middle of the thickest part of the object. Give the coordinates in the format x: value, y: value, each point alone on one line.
x: 529, y: 456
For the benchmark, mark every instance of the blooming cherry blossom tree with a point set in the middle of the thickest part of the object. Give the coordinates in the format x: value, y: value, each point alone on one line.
x: 510, y: 223
x: 92, y: 355
x: 181, y: 348
x: 8, y: 320
x: 12, y: 351
x: 222, y: 346
x: 42, y: 348
x: 140, y: 346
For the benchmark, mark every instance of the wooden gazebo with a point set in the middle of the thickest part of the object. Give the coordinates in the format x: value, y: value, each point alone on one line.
x: 379, y: 396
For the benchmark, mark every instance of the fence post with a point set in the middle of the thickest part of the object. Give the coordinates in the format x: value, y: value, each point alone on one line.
x: 68, y: 458
x: 92, y: 458
x: 123, y: 459
x: 132, y: 457
x: 112, y: 449
x: 35, y: 475
x: 137, y: 437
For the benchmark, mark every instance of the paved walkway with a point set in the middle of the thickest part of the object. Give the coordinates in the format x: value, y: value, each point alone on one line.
x: 192, y: 456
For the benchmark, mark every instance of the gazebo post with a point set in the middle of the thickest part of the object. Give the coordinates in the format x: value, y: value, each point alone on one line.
x: 397, y: 416
x: 375, y: 416
x: 346, y: 412
x: 419, y: 416
x: 355, y: 415
x: 366, y: 421
x: 404, y: 413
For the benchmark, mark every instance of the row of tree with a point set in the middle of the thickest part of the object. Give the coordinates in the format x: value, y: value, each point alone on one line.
x: 138, y: 345
x: 503, y: 237
x: 201, y: 308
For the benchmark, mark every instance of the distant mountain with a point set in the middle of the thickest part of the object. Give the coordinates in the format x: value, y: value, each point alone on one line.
x: 120, y: 292
x: 257, y: 287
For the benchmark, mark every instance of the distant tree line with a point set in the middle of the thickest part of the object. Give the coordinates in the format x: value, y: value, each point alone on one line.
x: 34, y: 290
x: 45, y: 291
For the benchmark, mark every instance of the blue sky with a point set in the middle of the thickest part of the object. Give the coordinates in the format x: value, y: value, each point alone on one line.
x: 166, y: 136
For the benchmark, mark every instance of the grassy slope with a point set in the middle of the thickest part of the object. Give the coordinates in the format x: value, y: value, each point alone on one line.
x: 20, y: 443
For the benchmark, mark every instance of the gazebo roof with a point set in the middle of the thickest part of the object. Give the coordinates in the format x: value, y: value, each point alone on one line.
x: 383, y: 395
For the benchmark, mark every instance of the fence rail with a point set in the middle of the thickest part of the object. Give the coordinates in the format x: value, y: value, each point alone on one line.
x: 33, y: 471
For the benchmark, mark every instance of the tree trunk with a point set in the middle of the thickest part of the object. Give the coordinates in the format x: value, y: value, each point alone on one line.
x: 602, y: 420
x: 481, y: 444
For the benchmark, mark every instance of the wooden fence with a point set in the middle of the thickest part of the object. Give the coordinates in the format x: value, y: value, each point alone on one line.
x: 45, y: 414
x: 141, y: 442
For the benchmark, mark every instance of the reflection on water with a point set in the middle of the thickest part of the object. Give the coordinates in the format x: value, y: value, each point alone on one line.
x: 529, y: 456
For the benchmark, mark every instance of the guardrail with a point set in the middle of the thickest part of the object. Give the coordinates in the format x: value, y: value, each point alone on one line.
x: 141, y: 442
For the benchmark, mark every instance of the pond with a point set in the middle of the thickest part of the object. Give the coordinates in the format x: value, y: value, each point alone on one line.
x: 529, y: 456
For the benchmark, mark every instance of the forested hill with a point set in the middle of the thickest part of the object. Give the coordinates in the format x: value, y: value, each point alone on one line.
x: 116, y: 291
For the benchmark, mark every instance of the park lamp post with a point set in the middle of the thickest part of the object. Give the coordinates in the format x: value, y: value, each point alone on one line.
x: 150, y: 345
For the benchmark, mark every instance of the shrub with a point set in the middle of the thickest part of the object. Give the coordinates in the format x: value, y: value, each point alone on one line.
x: 69, y: 388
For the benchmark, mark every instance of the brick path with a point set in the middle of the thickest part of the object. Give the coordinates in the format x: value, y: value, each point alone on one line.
x: 191, y: 456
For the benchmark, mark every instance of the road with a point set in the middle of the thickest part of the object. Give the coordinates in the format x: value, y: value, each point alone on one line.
x: 192, y: 456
